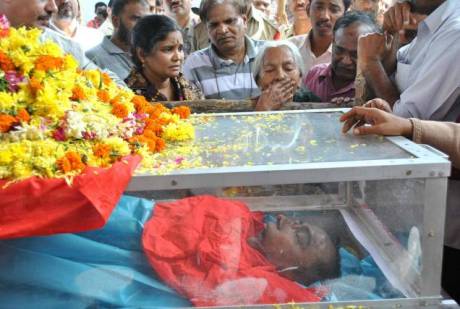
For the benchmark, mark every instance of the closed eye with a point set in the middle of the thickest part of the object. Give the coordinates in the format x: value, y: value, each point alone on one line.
x: 303, y: 237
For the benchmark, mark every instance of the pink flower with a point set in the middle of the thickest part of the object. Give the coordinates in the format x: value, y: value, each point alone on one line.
x: 4, y: 26
x: 13, y: 79
x: 59, y: 135
x: 179, y: 160
x: 89, y: 135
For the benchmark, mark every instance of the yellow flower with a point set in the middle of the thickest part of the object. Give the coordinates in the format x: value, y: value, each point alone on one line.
x: 7, y: 101
x: 181, y: 131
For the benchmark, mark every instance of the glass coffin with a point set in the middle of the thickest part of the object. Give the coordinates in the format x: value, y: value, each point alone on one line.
x: 277, y: 209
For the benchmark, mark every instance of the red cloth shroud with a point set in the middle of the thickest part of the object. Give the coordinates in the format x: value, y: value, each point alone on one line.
x: 199, y: 247
x: 38, y: 206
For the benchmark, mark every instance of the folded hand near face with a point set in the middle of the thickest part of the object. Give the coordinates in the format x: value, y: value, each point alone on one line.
x: 276, y: 95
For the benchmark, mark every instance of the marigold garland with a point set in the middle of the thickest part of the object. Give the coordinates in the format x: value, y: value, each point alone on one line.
x: 55, y: 119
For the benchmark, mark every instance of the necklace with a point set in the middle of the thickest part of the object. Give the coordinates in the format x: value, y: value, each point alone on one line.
x: 235, y: 74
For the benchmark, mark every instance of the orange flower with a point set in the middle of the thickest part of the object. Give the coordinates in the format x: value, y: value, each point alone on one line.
x: 46, y: 63
x: 140, y: 103
x: 155, y: 110
x: 23, y: 115
x: 106, y: 80
x: 149, y: 134
x: 154, y: 126
x: 6, y: 122
x: 119, y: 110
x: 70, y: 162
x: 5, y: 63
x: 160, y: 144
x: 103, y: 95
x: 101, y: 150
x: 154, y: 143
x: 182, y: 111
x: 4, y: 33
x: 78, y: 94
x: 35, y: 85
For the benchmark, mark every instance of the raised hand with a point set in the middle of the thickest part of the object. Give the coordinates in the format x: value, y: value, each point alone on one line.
x: 277, y: 94
x: 399, y: 17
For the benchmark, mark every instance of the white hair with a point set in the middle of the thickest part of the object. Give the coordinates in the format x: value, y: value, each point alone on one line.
x: 258, y: 62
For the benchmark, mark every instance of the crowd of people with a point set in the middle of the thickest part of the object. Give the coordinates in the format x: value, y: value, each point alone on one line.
x: 400, y: 56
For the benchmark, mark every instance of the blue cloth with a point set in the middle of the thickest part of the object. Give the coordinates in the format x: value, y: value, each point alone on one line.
x: 107, y: 268
x: 360, y: 279
x: 103, y: 268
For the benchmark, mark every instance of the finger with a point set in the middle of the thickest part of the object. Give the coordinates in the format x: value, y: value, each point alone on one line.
x: 413, y: 23
x: 287, y: 97
x: 388, y: 40
x: 284, y: 82
x: 389, y: 21
x: 399, y: 18
x: 405, y: 15
x: 348, y: 115
x: 287, y: 89
x: 367, y: 130
x: 350, y: 123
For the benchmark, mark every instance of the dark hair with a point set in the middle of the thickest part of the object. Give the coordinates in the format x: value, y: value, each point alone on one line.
x: 356, y: 16
x: 110, y: 4
x: 241, y: 6
x: 322, y: 270
x: 99, y: 4
x: 346, y: 4
x: 119, y: 5
x: 149, y: 31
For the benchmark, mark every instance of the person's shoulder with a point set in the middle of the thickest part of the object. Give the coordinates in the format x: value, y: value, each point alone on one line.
x: 198, y: 58
x: 257, y: 43
x: 318, y: 70
x: 96, y: 51
x: 60, y: 39
x: 298, y: 40
x: 199, y: 26
x: 260, y: 21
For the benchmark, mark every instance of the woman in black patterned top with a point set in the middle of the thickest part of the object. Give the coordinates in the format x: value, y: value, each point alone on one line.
x: 158, y: 57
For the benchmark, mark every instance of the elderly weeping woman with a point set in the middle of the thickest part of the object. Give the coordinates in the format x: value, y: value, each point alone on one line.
x: 278, y: 71
x: 158, y: 57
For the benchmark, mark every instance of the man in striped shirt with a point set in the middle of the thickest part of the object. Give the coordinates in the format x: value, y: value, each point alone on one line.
x: 223, y: 70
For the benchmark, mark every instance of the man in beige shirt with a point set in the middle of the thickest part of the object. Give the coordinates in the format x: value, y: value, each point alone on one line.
x: 316, y: 46
x: 258, y: 28
x: 181, y: 12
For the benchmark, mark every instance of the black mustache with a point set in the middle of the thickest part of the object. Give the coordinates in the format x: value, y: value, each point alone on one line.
x: 324, y: 22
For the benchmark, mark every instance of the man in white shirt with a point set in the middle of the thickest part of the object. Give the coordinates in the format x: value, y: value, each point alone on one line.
x: 422, y: 80
x: 316, y: 46
x: 181, y: 12
x: 66, y: 21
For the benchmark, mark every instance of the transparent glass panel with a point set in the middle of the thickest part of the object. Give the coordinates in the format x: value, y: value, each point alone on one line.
x: 300, y: 137
x: 328, y: 242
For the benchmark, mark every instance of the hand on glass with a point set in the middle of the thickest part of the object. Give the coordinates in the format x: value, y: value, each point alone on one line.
x: 379, y: 104
x: 366, y: 120
x: 277, y: 94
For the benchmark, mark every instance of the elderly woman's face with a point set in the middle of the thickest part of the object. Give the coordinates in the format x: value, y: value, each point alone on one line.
x: 166, y: 58
x: 278, y: 64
